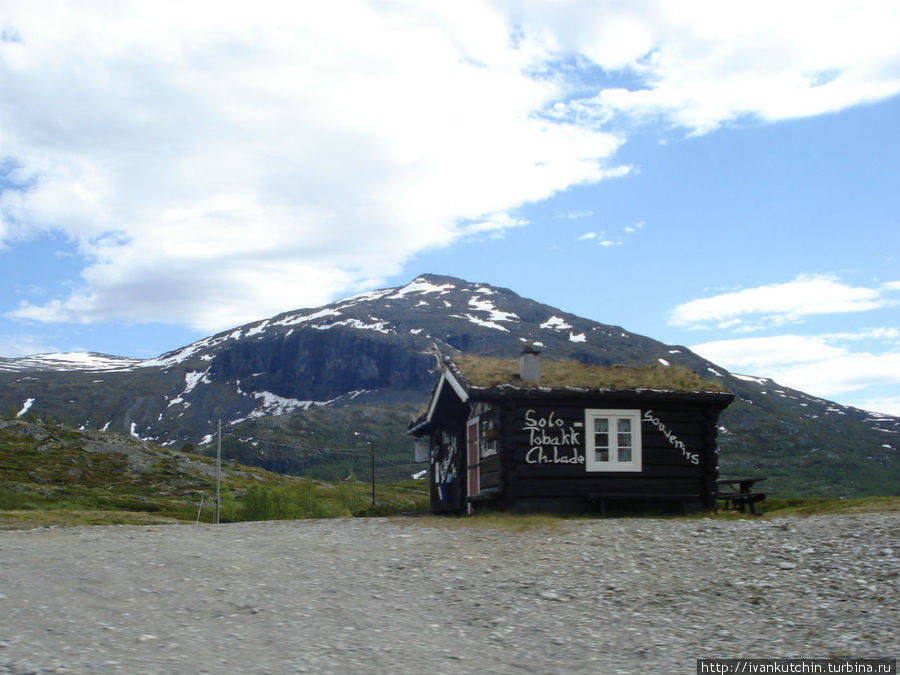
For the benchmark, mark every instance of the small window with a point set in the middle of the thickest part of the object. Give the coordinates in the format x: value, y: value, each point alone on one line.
x: 612, y: 440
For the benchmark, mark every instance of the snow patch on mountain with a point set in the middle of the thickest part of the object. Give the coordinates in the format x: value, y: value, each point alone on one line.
x: 480, y: 322
x: 259, y: 328
x: 69, y: 361
x: 193, y: 378
x: 494, y: 314
x: 25, y: 407
x: 421, y: 285
x: 556, y: 323
x: 297, y: 319
x: 577, y: 337
x: 368, y: 296
x: 750, y: 378
x: 378, y: 325
x: 177, y: 357
x: 274, y: 405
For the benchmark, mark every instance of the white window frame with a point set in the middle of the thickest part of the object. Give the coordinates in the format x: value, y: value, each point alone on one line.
x: 613, y: 464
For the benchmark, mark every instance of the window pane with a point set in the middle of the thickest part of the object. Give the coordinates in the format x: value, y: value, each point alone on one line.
x: 601, y: 446
x: 623, y: 438
x: 601, y: 424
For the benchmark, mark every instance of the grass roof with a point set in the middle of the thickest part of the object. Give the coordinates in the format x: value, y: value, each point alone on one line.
x: 484, y: 371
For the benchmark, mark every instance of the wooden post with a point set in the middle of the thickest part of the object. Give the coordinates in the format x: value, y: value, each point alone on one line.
x: 372, y: 448
x: 218, y: 468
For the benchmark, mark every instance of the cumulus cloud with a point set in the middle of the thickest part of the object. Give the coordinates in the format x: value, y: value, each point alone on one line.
x: 818, y: 364
x: 706, y: 63
x: 778, y: 304
x: 217, y: 162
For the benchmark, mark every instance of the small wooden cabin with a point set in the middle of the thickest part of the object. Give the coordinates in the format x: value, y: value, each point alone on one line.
x: 563, y: 436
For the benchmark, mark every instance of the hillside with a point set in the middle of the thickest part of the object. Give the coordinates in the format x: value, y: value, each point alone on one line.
x: 298, y: 390
x: 52, y: 474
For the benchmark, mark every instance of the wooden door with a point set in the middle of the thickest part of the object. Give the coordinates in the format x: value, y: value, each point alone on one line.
x: 472, y: 455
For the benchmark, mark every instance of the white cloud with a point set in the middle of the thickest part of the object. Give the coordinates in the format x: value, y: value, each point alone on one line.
x: 496, y: 223
x: 889, y: 405
x: 777, y: 304
x: 575, y: 215
x: 219, y: 161
x: 814, y: 364
x: 761, y: 354
x: 12, y: 346
x: 252, y: 160
x: 705, y: 63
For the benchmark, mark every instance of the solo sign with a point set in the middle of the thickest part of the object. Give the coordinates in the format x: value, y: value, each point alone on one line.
x: 551, y: 441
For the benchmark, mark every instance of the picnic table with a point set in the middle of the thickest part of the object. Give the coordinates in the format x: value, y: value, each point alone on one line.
x: 738, y: 493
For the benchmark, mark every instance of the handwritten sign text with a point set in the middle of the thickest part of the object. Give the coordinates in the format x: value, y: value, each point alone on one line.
x: 692, y: 457
x: 551, y: 441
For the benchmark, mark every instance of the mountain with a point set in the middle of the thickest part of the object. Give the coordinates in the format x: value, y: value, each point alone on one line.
x: 297, y: 390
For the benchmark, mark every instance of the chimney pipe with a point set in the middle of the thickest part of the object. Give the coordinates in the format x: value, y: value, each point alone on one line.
x: 530, y: 363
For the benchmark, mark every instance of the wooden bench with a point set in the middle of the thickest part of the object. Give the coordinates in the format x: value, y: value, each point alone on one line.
x: 681, y: 497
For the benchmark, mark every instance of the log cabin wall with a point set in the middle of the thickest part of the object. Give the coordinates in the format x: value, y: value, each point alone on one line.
x: 543, y: 462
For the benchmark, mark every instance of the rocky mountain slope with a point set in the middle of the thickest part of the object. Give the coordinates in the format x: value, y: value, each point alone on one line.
x: 334, y: 376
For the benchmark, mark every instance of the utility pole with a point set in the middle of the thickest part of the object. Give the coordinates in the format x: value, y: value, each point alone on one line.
x: 218, y: 467
x: 372, y: 448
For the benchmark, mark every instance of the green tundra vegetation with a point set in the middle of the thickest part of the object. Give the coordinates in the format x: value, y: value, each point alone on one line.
x: 52, y: 474
x: 327, y: 443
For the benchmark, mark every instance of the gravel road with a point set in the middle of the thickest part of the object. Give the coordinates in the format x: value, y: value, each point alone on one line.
x: 419, y: 595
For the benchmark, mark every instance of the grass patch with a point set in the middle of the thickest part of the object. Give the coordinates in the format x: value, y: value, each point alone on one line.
x: 775, y: 507
x: 811, y: 506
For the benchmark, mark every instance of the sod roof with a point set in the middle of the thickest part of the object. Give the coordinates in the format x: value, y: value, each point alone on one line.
x: 485, y: 372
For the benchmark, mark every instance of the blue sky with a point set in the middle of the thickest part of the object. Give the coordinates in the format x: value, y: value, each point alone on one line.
x: 719, y: 175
